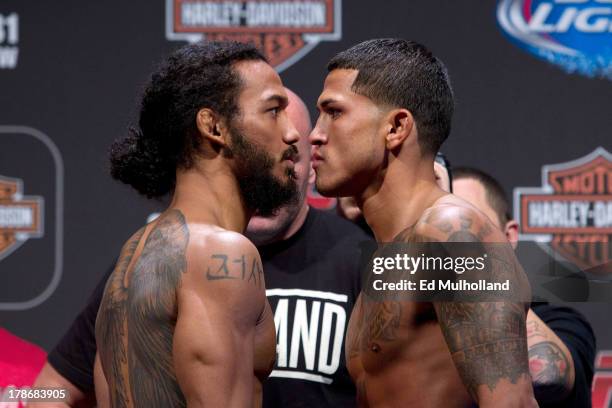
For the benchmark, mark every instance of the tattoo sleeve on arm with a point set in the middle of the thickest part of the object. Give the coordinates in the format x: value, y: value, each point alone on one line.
x: 487, y: 339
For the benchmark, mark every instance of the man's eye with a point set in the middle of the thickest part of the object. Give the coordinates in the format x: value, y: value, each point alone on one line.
x: 275, y: 111
x: 334, y: 113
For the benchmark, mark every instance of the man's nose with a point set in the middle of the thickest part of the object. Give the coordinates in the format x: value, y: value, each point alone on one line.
x: 291, y: 136
x: 317, y: 136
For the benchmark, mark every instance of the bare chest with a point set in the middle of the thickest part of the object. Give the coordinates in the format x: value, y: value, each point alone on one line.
x: 383, y: 332
x: 397, y: 356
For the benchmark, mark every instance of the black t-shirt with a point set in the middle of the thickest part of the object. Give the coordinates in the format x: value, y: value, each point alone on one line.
x: 313, y: 282
x: 73, y: 357
x: 575, y: 331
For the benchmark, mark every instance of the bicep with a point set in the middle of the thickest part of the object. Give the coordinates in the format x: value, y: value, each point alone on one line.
x: 487, y: 344
x: 213, y: 353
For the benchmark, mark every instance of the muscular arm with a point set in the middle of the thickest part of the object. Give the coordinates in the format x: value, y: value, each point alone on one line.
x: 487, y: 340
x: 219, y: 303
x: 550, y: 362
x: 490, y: 357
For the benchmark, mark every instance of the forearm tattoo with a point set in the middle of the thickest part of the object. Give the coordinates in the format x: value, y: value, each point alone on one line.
x: 548, y: 364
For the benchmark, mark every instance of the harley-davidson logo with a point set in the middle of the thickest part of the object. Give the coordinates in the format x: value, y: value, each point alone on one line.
x: 285, y: 30
x: 572, y: 211
x: 21, y: 217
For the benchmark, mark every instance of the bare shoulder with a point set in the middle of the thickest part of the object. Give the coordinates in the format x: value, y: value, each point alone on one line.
x: 211, y: 238
x: 225, y: 266
x: 452, y: 219
x: 210, y: 252
x: 224, y: 255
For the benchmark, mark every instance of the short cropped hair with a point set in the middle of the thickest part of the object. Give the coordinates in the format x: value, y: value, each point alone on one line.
x: 403, y: 74
x: 494, y: 192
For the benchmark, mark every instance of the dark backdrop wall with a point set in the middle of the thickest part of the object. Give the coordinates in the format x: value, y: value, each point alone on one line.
x: 75, y: 86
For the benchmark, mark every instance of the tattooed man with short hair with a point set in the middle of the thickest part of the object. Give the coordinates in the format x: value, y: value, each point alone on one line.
x: 385, y: 109
x: 184, y: 319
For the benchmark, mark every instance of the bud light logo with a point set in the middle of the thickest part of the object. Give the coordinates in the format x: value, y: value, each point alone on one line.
x: 573, y: 34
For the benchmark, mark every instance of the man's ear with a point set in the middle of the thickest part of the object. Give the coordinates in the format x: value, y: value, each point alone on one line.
x: 211, y: 127
x: 511, y: 230
x: 399, y: 126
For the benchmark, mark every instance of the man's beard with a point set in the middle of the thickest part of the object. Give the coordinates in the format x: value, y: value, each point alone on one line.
x: 261, y: 190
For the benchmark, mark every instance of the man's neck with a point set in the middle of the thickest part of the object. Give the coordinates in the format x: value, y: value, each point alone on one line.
x: 400, y: 199
x: 296, y: 224
x: 266, y: 236
x: 211, y: 197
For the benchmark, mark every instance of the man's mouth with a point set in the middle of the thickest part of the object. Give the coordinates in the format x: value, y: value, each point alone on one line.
x: 291, y: 154
x: 316, y: 159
